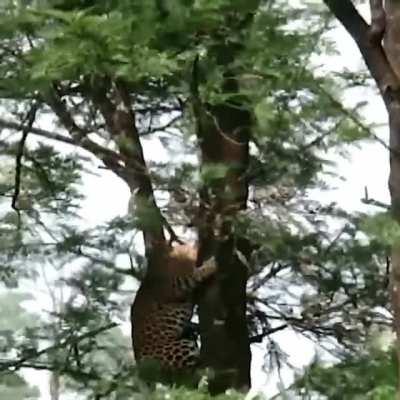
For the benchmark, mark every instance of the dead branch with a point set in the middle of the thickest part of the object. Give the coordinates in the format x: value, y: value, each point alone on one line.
x: 373, y: 202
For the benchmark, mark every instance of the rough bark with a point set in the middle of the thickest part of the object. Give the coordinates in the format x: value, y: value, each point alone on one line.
x: 383, y: 62
x: 223, y: 132
x: 392, y: 50
x: 392, y: 34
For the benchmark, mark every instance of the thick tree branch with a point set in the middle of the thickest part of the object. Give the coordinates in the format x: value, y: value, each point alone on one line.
x: 378, y: 20
x: 79, y: 135
x: 112, y: 160
x: 369, y: 43
x: 107, y: 108
x: 65, y: 117
x: 104, y: 154
x: 17, y: 126
x: 120, y: 120
x: 223, y: 132
x: 266, y: 332
x: 348, y: 15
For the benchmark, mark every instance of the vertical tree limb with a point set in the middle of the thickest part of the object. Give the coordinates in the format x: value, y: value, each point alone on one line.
x: 30, y: 119
x: 223, y: 132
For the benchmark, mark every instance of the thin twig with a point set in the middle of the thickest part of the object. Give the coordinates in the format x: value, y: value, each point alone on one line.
x: 266, y: 332
x: 5, y: 365
x: 376, y: 203
x: 161, y: 128
x: 353, y: 118
x: 173, y: 237
x: 279, y: 395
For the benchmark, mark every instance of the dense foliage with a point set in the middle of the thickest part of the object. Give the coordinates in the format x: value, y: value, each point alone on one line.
x: 316, y: 269
x: 370, y: 376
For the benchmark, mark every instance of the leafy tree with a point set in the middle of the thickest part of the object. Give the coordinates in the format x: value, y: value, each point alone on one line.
x: 89, y: 83
x: 372, y: 375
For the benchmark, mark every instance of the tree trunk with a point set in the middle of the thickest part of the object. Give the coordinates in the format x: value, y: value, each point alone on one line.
x: 224, y: 131
x: 392, y: 48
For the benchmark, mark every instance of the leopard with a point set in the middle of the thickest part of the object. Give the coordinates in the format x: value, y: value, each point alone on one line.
x: 163, y: 308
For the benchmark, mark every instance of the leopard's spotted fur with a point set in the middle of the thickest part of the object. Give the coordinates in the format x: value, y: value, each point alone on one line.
x: 163, y: 308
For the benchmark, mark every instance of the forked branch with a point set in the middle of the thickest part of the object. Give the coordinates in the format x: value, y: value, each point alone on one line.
x: 369, y: 41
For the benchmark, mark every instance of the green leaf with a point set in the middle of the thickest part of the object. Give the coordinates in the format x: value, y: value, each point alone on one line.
x: 382, y: 227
